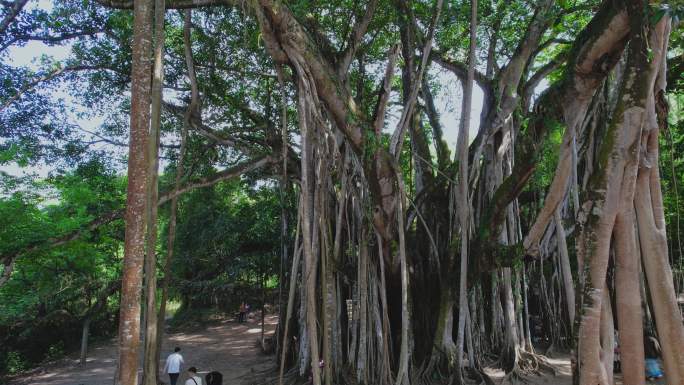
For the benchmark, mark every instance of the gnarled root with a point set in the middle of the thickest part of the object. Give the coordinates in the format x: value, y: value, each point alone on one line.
x: 527, y: 364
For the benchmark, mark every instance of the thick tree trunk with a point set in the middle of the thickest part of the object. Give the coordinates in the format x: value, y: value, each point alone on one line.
x: 651, y: 224
x: 134, y: 245
x: 610, y: 188
x: 628, y: 297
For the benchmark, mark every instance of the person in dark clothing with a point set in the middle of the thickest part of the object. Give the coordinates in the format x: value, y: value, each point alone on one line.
x: 214, y: 378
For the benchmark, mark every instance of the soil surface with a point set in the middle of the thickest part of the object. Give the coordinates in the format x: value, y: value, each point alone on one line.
x: 225, y: 346
x: 232, y: 349
x: 563, y: 374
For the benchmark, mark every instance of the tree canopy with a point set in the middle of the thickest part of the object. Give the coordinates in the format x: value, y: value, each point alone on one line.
x: 316, y: 155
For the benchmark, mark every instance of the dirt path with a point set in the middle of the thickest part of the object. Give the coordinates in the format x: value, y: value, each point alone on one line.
x: 226, y: 346
x: 229, y: 348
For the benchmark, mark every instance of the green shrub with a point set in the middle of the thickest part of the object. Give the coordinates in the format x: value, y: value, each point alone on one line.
x: 15, y: 363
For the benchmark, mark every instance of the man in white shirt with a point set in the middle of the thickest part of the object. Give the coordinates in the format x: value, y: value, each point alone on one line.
x: 194, y: 378
x: 173, y: 365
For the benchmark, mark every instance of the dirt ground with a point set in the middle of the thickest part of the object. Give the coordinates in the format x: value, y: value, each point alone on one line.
x: 561, y: 366
x: 227, y: 347
x: 230, y: 348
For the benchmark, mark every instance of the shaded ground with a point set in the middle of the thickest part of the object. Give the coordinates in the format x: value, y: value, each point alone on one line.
x: 231, y: 349
x: 225, y: 346
x: 563, y: 369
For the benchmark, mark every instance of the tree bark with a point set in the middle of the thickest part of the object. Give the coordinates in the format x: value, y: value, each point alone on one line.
x: 134, y: 245
x: 463, y: 201
x: 613, y: 179
x: 628, y: 296
x: 150, y: 358
x: 84, y: 340
x: 648, y: 202
x: 566, y: 270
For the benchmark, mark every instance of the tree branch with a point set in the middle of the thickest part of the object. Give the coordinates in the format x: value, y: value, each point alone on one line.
x: 171, y: 4
x: 358, y: 31
x: 48, y: 39
x: 228, y: 173
x: 379, y: 119
x: 46, y: 78
x: 460, y: 70
x: 14, y: 10
x: 594, y: 54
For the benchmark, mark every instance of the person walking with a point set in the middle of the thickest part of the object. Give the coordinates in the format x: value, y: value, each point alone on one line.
x: 194, y: 378
x: 173, y: 365
x: 243, y: 311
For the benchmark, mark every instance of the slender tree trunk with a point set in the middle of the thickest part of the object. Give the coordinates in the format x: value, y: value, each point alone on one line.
x: 291, y: 297
x: 566, y: 270
x: 84, y: 340
x: 463, y: 203
x: 607, y: 335
x: 404, y: 354
x: 134, y: 245
x: 150, y: 360
x: 193, y: 109
x: 306, y: 112
x: 511, y: 342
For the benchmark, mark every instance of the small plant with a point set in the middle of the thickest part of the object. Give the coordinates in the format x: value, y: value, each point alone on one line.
x: 55, y: 352
x: 15, y: 363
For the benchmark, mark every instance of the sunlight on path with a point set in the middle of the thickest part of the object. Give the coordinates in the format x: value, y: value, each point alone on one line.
x: 227, y: 347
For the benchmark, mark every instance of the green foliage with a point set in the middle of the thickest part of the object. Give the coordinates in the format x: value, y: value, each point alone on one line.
x: 228, y: 244
x: 14, y: 363
x: 52, y: 287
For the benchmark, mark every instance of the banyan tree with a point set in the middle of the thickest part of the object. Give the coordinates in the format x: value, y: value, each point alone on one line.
x: 408, y: 260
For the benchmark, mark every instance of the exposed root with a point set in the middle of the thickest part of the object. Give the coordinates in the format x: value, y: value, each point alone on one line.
x: 270, y: 377
x: 527, y: 364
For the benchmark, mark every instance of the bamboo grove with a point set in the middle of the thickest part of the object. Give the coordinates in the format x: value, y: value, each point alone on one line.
x: 402, y: 261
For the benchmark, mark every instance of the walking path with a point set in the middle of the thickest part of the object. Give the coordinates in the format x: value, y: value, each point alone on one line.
x: 227, y: 347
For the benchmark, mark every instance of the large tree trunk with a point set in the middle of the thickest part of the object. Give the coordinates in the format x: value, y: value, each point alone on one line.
x: 651, y: 224
x: 134, y: 245
x: 627, y: 291
x: 611, y: 188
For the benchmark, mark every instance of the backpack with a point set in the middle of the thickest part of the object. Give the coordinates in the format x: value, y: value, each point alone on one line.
x: 214, y: 378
